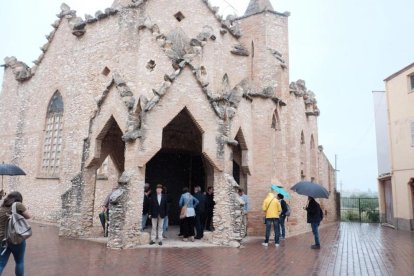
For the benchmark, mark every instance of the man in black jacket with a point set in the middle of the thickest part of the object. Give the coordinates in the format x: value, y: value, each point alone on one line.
x: 146, y: 206
x: 200, y: 211
x: 282, y: 216
x: 209, y: 208
x: 158, y: 211
x: 314, y: 217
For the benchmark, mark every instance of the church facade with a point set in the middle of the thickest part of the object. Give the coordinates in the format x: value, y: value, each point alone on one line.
x: 161, y: 92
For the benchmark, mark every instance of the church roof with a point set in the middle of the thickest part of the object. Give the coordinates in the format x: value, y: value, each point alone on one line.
x: 256, y: 6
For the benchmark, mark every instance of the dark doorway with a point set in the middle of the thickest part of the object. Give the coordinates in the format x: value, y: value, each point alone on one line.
x: 236, y: 172
x: 179, y: 163
x: 175, y: 170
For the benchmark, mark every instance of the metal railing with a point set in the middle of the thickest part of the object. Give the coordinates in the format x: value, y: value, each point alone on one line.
x: 360, y: 209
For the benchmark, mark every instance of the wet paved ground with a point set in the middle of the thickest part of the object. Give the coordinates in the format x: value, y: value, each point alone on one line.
x: 347, y: 249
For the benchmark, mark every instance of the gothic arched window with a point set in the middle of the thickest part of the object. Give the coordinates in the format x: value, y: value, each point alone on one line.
x: 52, y: 145
x: 276, y: 121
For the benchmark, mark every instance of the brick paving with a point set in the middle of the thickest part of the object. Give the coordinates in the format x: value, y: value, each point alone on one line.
x: 347, y: 249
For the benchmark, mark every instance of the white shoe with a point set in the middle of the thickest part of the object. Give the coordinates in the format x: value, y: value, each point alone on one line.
x: 282, y: 238
x: 265, y: 244
x: 276, y: 244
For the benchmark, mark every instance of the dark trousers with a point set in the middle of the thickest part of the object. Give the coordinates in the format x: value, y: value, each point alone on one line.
x: 188, y: 227
x: 200, y: 223
x: 282, y: 226
x: 209, y: 220
x: 275, y: 222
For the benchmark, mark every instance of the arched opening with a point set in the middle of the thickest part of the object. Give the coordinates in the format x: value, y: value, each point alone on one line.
x: 313, y: 159
x: 180, y: 162
x: 240, y: 168
x: 303, y: 160
x: 105, y: 170
x: 276, y: 121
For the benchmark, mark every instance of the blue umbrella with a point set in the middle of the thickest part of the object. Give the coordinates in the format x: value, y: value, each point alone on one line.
x: 310, y: 189
x: 281, y: 191
x: 9, y: 169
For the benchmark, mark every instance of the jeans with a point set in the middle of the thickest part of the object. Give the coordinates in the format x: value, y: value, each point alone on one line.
x: 144, y: 221
x: 165, y: 224
x: 282, y: 226
x: 200, y: 223
x: 315, y: 232
x: 275, y: 222
x: 156, y: 230
x: 18, y: 254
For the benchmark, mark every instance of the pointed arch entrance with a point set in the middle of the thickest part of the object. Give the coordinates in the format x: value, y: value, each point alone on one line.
x: 180, y: 162
x: 240, y: 167
x: 109, y: 143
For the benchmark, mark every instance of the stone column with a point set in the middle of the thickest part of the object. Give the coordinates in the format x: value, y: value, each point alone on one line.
x: 126, y: 215
x: 227, y: 230
x: 87, y: 202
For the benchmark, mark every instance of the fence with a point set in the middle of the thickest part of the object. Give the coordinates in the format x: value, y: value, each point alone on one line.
x: 360, y: 209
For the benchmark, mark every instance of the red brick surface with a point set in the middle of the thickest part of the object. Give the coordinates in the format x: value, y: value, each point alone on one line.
x: 347, y: 249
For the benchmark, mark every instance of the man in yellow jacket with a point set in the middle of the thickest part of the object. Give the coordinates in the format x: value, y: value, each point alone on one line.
x: 272, y: 209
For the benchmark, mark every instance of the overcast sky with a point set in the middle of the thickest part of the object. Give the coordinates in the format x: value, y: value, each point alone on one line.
x: 342, y: 48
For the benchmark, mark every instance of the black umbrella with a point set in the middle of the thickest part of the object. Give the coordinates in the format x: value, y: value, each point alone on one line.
x: 9, y: 169
x: 310, y: 189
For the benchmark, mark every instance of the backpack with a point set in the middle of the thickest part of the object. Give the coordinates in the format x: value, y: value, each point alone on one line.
x: 17, y: 228
x: 288, y: 210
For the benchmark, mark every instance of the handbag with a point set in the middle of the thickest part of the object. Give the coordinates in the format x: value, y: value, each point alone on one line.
x: 183, y: 212
x: 264, y: 219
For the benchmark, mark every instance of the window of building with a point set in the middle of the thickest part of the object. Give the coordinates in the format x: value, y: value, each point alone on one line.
x: 411, y: 82
x: 179, y: 16
x: 52, y: 145
x: 302, y: 138
x: 276, y: 121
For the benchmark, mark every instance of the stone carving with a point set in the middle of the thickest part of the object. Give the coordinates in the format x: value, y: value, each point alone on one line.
x: 66, y: 12
x: 78, y: 27
x: 20, y: 70
x: 299, y: 89
x: 240, y: 50
x: 90, y: 19
x: 124, y: 91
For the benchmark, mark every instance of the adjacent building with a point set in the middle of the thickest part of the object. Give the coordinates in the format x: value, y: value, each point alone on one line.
x: 397, y: 190
x: 161, y: 91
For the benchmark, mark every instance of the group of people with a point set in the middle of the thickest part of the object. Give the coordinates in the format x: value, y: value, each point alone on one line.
x: 276, y: 208
x: 196, y: 212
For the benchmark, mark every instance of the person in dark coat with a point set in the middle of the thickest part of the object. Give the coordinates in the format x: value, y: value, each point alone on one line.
x: 282, y: 216
x: 314, y: 217
x: 158, y: 211
x: 209, y: 208
x: 200, y: 211
x: 146, y: 206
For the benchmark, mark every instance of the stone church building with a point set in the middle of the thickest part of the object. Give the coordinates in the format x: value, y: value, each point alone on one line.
x: 160, y: 91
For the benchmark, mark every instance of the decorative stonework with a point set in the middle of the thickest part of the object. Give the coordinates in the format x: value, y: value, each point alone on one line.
x: 20, y: 70
x: 228, y: 213
x: 299, y: 89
